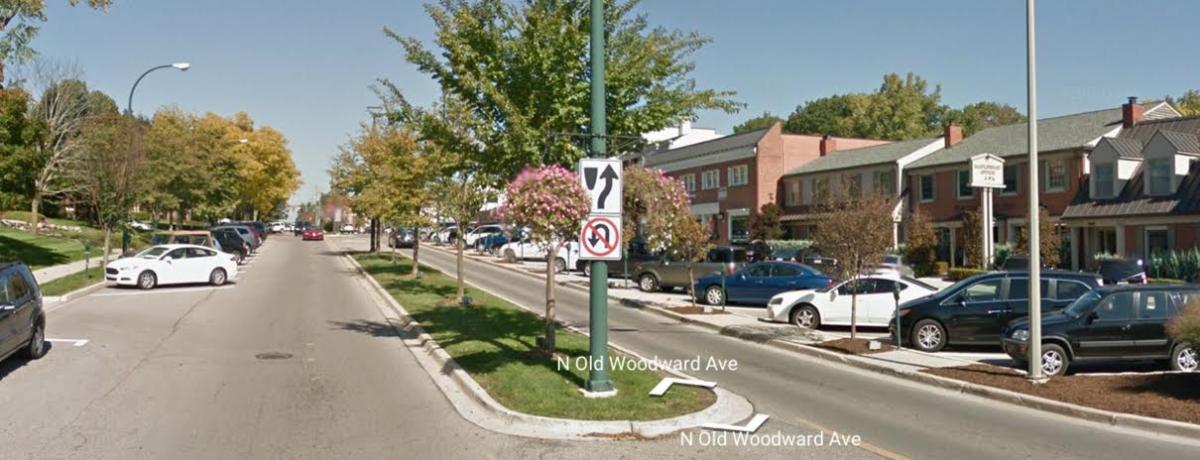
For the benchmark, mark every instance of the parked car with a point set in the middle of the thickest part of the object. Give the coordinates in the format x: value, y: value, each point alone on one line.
x: 758, y: 251
x: 258, y: 228
x: 491, y: 243
x: 173, y: 264
x: 568, y: 253
x: 278, y: 227
x: 232, y: 242
x: 446, y: 234
x: 299, y: 227
x: 666, y: 274
x: 977, y: 309
x: 1113, y: 323
x: 140, y: 226
x: 481, y: 231
x: 894, y: 263
x: 349, y: 228
x: 637, y: 255
x: 758, y: 282
x: 402, y: 238
x: 1122, y: 271
x: 22, y: 317
x: 196, y: 237
x: 313, y: 234
x: 830, y: 305
x: 244, y: 231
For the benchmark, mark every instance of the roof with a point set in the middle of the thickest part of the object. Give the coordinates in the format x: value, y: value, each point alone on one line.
x: 1126, y: 148
x: 1184, y: 142
x: 723, y: 144
x: 863, y: 156
x: 1057, y: 133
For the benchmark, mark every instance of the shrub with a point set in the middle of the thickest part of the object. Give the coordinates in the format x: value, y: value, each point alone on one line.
x: 941, y: 268
x: 1001, y: 254
x: 959, y: 273
x: 1186, y: 327
x: 1179, y: 264
x: 1166, y: 281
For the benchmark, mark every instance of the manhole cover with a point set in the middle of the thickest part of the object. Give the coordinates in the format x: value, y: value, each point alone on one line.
x: 273, y: 355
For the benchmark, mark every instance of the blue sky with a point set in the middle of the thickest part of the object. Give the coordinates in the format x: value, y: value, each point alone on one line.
x: 305, y: 67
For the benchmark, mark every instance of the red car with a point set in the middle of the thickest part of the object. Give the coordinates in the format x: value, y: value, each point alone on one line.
x: 313, y: 234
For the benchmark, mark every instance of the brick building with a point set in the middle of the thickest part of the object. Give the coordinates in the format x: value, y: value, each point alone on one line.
x: 729, y: 177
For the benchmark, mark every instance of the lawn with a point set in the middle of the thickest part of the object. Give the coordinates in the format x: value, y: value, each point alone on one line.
x: 494, y: 341
x: 41, y: 250
x: 74, y: 281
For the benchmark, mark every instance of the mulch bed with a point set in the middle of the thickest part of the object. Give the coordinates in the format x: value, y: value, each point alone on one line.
x: 853, y: 346
x: 1173, y: 396
x: 697, y: 311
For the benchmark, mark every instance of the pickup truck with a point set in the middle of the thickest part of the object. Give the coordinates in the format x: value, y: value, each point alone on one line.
x: 666, y: 274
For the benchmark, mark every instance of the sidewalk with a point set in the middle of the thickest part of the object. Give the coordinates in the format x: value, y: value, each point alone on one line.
x: 48, y: 274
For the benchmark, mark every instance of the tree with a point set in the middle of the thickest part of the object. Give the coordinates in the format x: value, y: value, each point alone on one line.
x: 765, y: 223
x: 855, y: 232
x: 552, y: 203
x: 691, y: 242
x: 832, y: 115
x: 982, y: 115
x: 18, y: 20
x: 1049, y: 239
x: 971, y: 235
x: 764, y: 121
x: 19, y: 135
x: 920, y: 245
x: 1188, y: 104
x: 522, y: 70
x: 113, y: 157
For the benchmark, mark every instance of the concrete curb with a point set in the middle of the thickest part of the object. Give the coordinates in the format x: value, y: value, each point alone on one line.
x: 476, y: 405
x: 1156, y: 425
x: 76, y: 293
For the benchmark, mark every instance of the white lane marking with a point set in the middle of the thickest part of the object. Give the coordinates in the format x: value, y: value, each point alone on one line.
x: 164, y: 291
x: 750, y: 427
x: 665, y: 384
x: 75, y: 342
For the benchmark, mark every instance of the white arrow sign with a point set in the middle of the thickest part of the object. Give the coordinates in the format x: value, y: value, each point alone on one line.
x: 666, y: 383
x: 602, y: 180
x: 750, y: 427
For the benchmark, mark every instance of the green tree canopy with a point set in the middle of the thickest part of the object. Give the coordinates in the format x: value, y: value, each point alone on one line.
x: 18, y: 27
x: 766, y: 120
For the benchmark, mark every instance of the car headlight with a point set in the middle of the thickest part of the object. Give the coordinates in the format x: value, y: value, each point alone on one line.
x: 1021, y: 334
x: 126, y: 268
x: 775, y: 301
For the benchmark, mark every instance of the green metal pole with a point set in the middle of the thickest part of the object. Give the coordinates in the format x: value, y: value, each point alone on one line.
x: 598, y: 379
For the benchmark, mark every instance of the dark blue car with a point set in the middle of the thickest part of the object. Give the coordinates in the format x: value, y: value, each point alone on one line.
x: 757, y: 283
x: 491, y: 243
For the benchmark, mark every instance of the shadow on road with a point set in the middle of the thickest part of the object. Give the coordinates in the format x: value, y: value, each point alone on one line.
x: 13, y: 363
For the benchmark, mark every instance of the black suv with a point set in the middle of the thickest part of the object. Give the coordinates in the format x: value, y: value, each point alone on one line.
x: 1126, y: 322
x: 22, y: 320
x: 232, y: 243
x: 975, y: 311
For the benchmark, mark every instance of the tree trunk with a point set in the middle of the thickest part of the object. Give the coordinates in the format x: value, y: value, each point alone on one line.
x: 416, y: 258
x: 107, y: 247
x: 854, y: 312
x: 550, y: 300
x: 33, y: 212
x: 458, y: 245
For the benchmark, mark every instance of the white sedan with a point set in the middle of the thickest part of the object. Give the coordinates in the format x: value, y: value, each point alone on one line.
x: 173, y: 264
x: 831, y: 305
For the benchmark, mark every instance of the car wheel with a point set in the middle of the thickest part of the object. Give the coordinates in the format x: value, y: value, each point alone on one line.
x: 560, y: 265
x: 147, y: 280
x: 587, y: 269
x: 648, y: 282
x: 241, y: 257
x: 714, y: 295
x: 1185, y: 358
x: 1054, y: 360
x: 217, y: 277
x: 929, y: 336
x: 806, y: 316
x: 37, y: 342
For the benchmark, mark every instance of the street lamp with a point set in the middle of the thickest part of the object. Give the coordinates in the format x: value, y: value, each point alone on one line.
x: 182, y: 66
x: 1035, y: 260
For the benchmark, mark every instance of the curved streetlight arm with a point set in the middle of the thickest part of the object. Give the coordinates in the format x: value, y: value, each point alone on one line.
x: 129, y: 105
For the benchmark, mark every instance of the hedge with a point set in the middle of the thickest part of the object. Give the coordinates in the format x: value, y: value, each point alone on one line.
x: 955, y: 274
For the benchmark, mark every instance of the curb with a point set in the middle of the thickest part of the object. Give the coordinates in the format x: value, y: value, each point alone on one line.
x: 1120, y: 419
x: 476, y: 405
x: 75, y: 294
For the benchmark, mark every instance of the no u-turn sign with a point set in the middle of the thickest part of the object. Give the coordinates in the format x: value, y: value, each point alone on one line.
x: 600, y: 238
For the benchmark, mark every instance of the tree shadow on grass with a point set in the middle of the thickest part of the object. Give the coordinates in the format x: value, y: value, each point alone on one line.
x: 1175, y: 385
x: 31, y: 254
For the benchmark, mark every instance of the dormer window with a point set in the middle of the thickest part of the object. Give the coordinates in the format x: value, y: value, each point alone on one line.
x: 1158, y: 177
x: 1102, y: 180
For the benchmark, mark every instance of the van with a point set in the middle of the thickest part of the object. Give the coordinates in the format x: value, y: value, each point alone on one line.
x: 22, y: 318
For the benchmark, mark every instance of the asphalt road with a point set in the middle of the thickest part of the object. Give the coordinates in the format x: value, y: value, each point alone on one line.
x: 894, y: 416
x: 175, y: 373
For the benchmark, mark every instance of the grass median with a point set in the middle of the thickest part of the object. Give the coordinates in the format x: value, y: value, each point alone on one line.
x: 77, y: 280
x: 494, y: 341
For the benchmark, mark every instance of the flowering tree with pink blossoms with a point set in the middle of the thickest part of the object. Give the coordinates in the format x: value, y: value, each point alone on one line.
x: 551, y: 202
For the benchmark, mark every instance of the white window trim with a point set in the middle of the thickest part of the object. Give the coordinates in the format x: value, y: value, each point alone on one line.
x: 958, y: 185
x: 1095, y: 192
x: 921, y: 178
x: 741, y: 173
x: 689, y: 182
x: 1044, y: 172
x: 1149, y: 177
x: 706, y: 184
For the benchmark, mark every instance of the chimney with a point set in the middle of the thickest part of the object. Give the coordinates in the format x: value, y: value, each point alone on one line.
x: 953, y: 134
x: 685, y: 126
x: 1132, y: 113
x: 828, y: 145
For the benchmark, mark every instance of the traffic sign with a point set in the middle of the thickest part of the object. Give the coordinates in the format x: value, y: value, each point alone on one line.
x: 600, y: 238
x: 602, y: 180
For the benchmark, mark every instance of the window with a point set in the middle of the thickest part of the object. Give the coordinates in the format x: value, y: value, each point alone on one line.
x: 785, y: 271
x: 195, y: 253
x: 738, y: 175
x: 17, y: 288
x: 1157, y: 240
x: 739, y: 228
x: 177, y: 254
x: 1018, y: 288
x: 1159, y: 177
x: 1116, y: 307
x: 793, y: 192
x: 964, y: 184
x: 1153, y: 305
x: 1011, y: 180
x: 926, y: 184
x: 982, y: 291
x: 758, y: 271
x: 710, y: 179
x: 1053, y: 175
x: 821, y: 190
x: 883, y: 286
x: 854, y: 185
x: 1102, y: 177
x: 805, y: 191
x: 1069, y: 290
x: 689, y: 182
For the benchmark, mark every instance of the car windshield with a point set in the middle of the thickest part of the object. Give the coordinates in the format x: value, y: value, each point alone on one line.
x: 152, y: 253
x: 1083, y: 304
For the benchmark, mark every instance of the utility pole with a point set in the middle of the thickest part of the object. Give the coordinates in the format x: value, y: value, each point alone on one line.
x: 1035, y: 244
x: 598, y: 380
